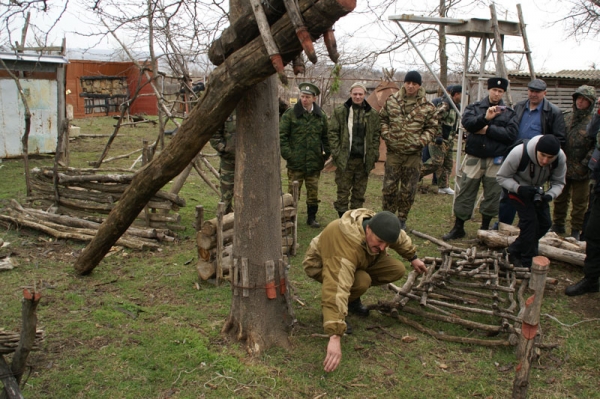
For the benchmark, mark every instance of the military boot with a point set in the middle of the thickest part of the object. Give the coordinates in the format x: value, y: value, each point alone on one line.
x: 356, y: 307
x: 311, y: 220
x: 584, y: 286
x: 458, y: 231
x: 485, y: 223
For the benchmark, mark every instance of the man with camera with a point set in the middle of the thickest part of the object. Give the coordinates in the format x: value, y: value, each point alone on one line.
x: 523, y: 175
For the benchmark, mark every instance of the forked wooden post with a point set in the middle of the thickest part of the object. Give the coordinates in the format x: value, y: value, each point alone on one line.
x: 530, y: 326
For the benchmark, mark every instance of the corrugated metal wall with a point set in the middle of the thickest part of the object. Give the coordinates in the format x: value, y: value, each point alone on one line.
x: 78, y: 68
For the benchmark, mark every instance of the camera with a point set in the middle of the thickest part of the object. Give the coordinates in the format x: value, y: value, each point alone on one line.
x: 501, y: 108
x: 538, y: 196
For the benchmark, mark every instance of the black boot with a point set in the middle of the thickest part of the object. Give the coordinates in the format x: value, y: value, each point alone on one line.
x: 558, y: 228
x: 348, y: 328
x: 458, y: 231
x: 312, y: 216
x: 584, y: 286
x: 356, y: 307
x: 485, y: 222
x: 575, y: 234
x: 341, y: 213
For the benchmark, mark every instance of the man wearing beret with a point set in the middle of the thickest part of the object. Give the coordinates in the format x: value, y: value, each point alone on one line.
x: 304, y: 145
x: 354, y: 131
x: 535, y: 116
x: 492, y: 127
x: 408, y: 124
x: 440, y: 149
x: 348, y: 257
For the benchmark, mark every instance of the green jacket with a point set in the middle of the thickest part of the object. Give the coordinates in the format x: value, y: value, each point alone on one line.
x: 579, y: 146
x: 303, y: 139
x: 340, y: 138
x: 334, y: 256
x: 407, y: 127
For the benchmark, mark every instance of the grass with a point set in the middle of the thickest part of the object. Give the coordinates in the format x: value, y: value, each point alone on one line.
x: 139, y: 327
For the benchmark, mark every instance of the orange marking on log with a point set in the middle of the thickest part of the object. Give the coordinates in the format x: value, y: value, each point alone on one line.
x: 541, y: 261
x: 271, y: 291
x: 331, y: 44
x: 519, y: 366
x: 277, y: 63
x: 37, y: 296
x: 347, y: 4
x: 26, y: 294
x: 307, y: 44
x: 282, y: 287
x: 529, y: 331
x: 530, y: 300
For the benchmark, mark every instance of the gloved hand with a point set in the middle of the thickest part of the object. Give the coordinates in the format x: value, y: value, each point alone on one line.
x: 439, y: 141
x: 526, y: 192
x: 547, y: 198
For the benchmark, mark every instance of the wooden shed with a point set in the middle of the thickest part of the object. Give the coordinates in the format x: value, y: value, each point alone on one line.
x: 98, y: 88
x: 42, y: 78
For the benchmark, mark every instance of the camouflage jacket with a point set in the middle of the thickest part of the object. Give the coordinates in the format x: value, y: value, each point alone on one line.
x: 303, y: 139
x: 579, y: 145
x: 447, y: 118
x: 334, y: 256
x: 340, y: 138
x: 404, y: 130
x: 223, y: 141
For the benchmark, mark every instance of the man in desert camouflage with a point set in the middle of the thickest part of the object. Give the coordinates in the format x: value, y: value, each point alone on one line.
x: 408, y: 124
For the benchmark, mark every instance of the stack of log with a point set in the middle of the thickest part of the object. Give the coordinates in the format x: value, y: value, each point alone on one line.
x: 468, y: 288
x: 208, y: 248
x: 9, y: 341
x: 88, y: 194
x: 552, y: 245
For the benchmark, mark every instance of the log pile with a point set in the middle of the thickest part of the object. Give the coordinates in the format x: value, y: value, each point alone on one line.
x: 468, y: 289
x: 9, y: 341
x: 551, y: 245
x: 207, y: 243
x: 88, y: 194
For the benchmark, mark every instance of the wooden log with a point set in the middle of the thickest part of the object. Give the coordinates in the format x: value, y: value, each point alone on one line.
x: 228, y: 82
x: 495, y: 240
x: 530, y: 326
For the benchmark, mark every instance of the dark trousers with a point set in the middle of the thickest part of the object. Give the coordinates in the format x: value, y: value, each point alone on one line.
x: 534, y: 222
x: 506, y: 212
x: 591, y: 265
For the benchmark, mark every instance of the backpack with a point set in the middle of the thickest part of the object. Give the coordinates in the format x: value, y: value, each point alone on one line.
x: 525, y: 160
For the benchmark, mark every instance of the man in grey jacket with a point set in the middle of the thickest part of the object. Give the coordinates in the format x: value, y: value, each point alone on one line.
x: 523, y: 175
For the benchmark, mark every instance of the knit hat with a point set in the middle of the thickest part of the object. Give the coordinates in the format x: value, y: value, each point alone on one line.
x: 386, y: 226
x: 497, y: 82
x: 359, y: 84
x: 413, y: 76
x: 548, y: 144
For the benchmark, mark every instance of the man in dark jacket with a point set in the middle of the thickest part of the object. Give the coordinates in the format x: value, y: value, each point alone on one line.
x: 354, y: 131
x: 492, y: 128
x: 304, y: 145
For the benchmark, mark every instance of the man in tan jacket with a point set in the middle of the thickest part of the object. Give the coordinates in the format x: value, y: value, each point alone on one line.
x: 348, y: 257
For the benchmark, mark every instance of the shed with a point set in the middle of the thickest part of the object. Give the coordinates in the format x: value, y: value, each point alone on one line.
x: 97, y: 88
x: 42, y: 78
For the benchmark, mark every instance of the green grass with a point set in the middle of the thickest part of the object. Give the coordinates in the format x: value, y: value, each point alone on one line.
x: 139, y: 327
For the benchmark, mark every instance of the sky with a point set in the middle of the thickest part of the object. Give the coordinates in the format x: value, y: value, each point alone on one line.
x: 552, y: 49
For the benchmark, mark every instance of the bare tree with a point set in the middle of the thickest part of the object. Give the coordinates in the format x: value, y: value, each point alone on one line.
x: 583, y: 19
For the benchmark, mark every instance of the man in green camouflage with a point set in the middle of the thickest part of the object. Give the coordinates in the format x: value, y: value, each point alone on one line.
x: 223, y: 141
x: 304, y: 145
x: 408, y: 124
x: 440, y: 151
x: 354, y: 131
x: 578, y: 149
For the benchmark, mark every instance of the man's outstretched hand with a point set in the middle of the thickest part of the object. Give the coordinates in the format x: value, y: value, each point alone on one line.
x: 334, y: 353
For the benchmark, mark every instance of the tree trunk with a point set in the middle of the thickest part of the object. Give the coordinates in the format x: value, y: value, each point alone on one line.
x: 261, y: 319
x: 228, y: 82
x: 442, y: 46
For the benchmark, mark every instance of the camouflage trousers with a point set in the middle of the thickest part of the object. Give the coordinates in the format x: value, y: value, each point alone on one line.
x: 353, y: 180
x: 578, y: 193
x: 476, y: 171
x: 440, y: 162
x: 404, y: 170
x: 312, y: 185
x: 226, y: 178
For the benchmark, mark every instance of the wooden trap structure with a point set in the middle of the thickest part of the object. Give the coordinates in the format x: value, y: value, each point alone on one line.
x: 478, y: 292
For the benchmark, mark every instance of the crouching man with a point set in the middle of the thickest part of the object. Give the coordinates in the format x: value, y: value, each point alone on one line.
x: 348, y: 257
x: 523, y: 174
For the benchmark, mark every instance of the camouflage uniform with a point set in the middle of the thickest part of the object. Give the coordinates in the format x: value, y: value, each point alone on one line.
x: 407, y: 125
x: 441, y: 154
x: 578, y: 148
x: 224, y: 142
x: 304, y: 145
x: 354, y: 152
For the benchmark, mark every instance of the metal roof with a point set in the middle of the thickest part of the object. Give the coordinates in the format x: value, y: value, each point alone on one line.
x: 49, y: 59
x: 585, y: 74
